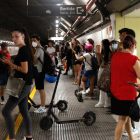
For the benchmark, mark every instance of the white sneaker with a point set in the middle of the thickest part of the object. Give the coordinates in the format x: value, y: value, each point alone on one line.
x: 40, y: 110
x: 134, y: 131
x: 106, y: 105
x: 25, y: 138
x: 99, y: 105
x: 3, y: 102
x: 87, y: 90
x: 84, y: 92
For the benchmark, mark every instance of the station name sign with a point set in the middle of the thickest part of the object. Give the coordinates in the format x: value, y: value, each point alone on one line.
x: 57, y: 10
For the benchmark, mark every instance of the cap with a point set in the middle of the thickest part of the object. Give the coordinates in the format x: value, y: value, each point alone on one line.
x: 116, y: 40
x: 89, y: 47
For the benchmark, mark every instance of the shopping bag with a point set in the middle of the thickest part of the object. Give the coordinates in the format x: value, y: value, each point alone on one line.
x: 14, y: 86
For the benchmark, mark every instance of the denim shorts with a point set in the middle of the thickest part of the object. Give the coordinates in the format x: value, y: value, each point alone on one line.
x: 90, y: 73
x: 4, y: 78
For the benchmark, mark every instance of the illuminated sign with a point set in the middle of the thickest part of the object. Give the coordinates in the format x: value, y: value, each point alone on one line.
x: 57, y: 10
x: 56, y: 38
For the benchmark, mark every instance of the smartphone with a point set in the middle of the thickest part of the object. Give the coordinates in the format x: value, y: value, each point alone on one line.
x: 132, y: 84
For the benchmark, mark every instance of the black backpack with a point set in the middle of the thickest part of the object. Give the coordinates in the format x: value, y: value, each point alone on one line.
x: 94, y: 63
x: 48, y: 66
x: 2, y: 65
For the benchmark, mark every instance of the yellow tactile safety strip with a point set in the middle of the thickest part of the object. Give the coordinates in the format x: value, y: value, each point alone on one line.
x: 19, y: 118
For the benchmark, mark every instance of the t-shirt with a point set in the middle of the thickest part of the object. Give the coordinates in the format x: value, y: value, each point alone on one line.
x: 24, y: 55
x: 39, y: 53
x: 87, y: 56
x: 78, y: 51
x: 51, y: 50
x: 7, y: 55
x: 121, y: 72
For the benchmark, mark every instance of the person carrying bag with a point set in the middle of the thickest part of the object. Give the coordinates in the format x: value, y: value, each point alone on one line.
x: 19, y: 85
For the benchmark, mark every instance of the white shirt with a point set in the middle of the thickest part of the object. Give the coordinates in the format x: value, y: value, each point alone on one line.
x: 51, y: 50
x: 88, y: 58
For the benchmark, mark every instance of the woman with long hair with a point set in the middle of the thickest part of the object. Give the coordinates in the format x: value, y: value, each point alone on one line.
x: 105, y: 57
x: 76, y: 49
x: 23, y: 66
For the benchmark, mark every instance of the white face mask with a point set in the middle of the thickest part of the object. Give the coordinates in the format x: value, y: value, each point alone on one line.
x: 34, y: 44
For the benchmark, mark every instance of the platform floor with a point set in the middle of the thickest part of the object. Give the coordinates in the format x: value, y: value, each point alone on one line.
x: 102, y: 129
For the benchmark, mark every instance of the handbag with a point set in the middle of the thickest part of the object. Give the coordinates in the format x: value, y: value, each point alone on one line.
x: 105, y: 80
x: 134, y: 112
x: 14, y: 86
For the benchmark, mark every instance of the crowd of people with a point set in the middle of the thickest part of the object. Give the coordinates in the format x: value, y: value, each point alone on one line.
x: 78, y: 58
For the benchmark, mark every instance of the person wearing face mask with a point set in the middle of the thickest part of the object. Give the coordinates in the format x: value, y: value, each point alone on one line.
x: 39, y: 81
x: 114, y: 44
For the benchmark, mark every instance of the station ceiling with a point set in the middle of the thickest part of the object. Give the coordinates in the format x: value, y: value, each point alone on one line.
x: 13, y: 14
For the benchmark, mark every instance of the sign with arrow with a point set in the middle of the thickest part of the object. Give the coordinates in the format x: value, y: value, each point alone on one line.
x: 57, y: 10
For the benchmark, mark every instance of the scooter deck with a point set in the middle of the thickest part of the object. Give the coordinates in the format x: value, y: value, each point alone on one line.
x: 37, y: 106
x: 70, y: 120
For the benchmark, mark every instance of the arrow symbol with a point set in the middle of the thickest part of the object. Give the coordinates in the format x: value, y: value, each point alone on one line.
x: 82, y: 10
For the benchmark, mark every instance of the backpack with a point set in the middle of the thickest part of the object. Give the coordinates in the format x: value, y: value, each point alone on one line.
x: 94, y: 63
x: 2, y: 65
x: 48, y: 66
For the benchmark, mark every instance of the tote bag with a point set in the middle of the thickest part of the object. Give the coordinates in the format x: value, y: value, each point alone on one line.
x: 14, y: 86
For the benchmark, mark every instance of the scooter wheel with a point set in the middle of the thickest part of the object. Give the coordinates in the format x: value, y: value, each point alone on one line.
x: 29, y: 106
x: 62, y: 105
x: 79, y: 97
x: 90, y: 118
x: 77, y: 90
x: 46, y: 123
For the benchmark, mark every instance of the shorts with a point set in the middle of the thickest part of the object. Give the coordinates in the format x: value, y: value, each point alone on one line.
x: 90, y: 73
x: 39, y: 81
x: 75, y: 62
x: 4, y: 78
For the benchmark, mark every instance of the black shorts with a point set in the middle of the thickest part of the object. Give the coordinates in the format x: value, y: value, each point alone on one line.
x: 75, y: 62
x: 120, y: 107
x: 39, y: 81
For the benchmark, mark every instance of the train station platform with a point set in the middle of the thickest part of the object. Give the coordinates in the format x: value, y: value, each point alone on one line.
x: 102, y: 129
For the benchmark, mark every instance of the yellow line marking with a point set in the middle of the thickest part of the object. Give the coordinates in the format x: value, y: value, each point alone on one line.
x: 19, y: 118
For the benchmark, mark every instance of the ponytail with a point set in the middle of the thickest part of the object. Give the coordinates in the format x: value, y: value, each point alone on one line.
x: 27, y: 40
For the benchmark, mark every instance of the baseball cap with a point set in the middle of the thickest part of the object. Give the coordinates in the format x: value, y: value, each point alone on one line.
x: 89, y: 47
x: 116, y: 40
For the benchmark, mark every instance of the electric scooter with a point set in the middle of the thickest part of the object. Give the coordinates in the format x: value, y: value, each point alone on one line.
x: 46, y: 122
x: 61, y: 104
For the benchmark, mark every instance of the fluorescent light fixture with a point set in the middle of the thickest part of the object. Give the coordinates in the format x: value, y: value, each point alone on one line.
x: 64, y: 25
x: 66, y: 21
x: 56, y: 31
x: 56, y: 25
x: 57, y: 21
x: 58, y: 4
x: 62, y: 33
x: 56, y: 35
x: 56, y: 38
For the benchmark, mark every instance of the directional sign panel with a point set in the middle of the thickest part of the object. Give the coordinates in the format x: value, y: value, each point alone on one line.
x: 55, y: 10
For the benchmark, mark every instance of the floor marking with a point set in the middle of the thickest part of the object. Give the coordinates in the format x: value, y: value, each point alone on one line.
x: 19, y: 118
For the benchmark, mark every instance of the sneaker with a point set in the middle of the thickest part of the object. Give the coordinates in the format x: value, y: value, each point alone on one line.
x: 40, y: 110
x: 84, y: 92
x: 134, y: 131
x: 65, y: 73
x: 106, y: 105
x: 99, y: 105
x: 25, y: 138
x: 87, y: 90
x: 3, y: 102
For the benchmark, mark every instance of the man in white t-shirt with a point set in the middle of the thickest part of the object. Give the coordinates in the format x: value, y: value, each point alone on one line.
x: 51, y: 51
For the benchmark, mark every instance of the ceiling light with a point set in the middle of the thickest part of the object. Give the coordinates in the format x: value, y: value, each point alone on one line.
x: 57, y: 21
x: 56, y: 25
x: 58, y: 4
x: 62, y: 33
x: 56, y: 31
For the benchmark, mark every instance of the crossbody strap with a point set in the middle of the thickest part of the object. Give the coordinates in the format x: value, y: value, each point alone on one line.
x: 39, y: 58
x: 87, y: 61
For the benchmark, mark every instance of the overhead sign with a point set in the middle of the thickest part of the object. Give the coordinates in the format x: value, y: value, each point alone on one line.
x: 56, y: 38
x: 57, y: 10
